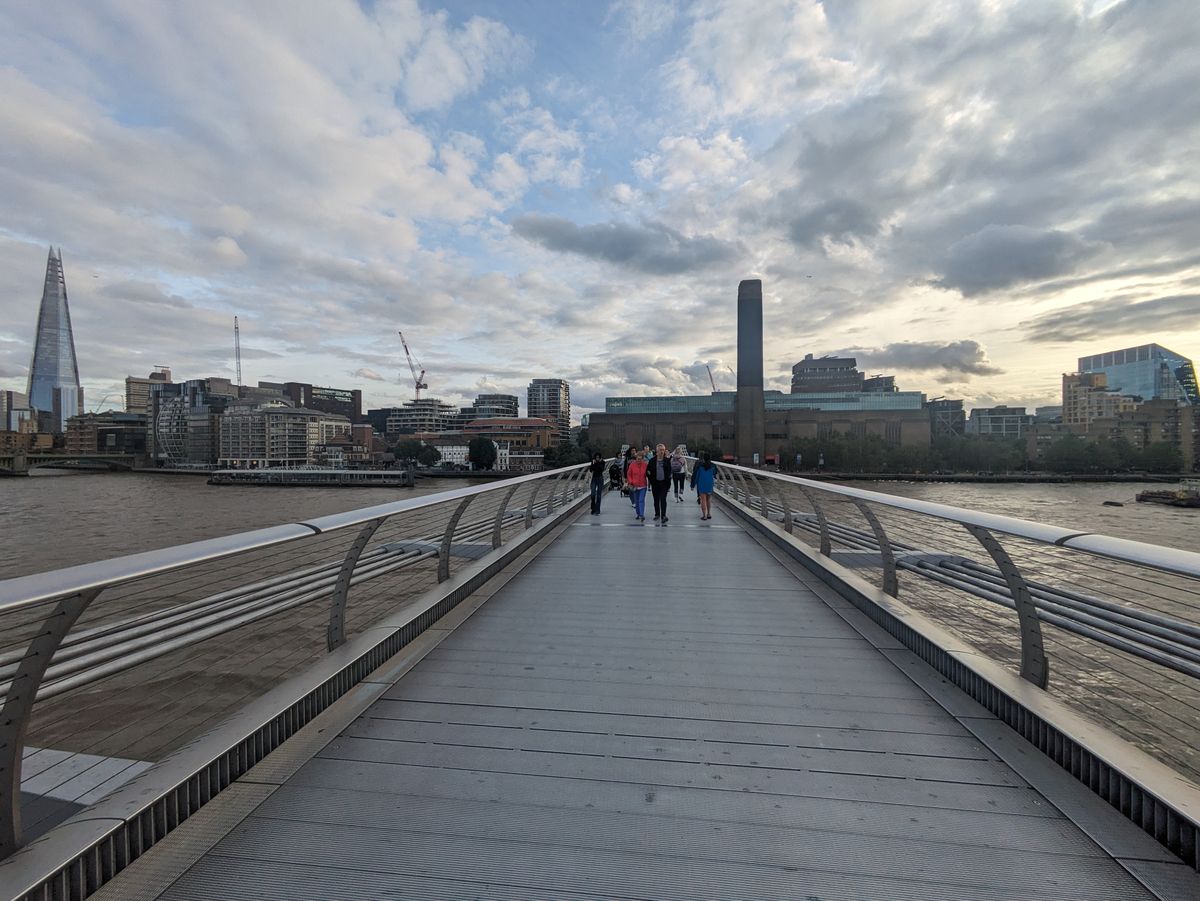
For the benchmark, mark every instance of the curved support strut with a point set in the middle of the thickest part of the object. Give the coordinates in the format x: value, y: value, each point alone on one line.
x: 335, y: 635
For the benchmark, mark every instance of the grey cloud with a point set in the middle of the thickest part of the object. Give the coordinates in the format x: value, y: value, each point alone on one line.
x: 653, y: 248
x: 370, y: 374
x: 1001, y: 255
x: 965, y: 357
x: 839, y: 219
x: 1098, y: 318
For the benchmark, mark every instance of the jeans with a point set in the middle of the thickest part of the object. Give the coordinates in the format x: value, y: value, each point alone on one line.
x: 660, y: 490
x: 597, y: 493
x: 638, y: 496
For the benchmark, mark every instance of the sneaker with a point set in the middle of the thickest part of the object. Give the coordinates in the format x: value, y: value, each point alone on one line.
x: 656, y: 517
x: 664, y: 520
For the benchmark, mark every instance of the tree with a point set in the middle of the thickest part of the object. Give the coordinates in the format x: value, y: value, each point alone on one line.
x: 481, y: 453
x: 697, y: 446
x: 565, y: 454
x: 411, y: 449
x: 1161, y: 456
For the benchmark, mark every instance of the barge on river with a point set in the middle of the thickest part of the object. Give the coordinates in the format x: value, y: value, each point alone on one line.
x: 1188, y: 495
x: 316, y: 478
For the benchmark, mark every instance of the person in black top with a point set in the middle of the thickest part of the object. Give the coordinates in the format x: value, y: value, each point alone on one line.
x: 658, y: 473
x: 597, y: 470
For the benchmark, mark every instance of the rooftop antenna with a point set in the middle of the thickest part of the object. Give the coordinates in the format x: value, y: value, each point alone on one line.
x: 237, y: 349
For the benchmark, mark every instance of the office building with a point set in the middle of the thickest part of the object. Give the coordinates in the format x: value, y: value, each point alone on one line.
x: 54, y: 389
x: 181, y: 422
x: 550, y: 399
x: 339, y: 401
x: 137, y: 390
x: 15, y: 413
x: 999, y: 423
x: 1149, y: 372
x: 110, y: 432
x: 273, y: 434
x: 1087, y: 397
x: 825, y: 375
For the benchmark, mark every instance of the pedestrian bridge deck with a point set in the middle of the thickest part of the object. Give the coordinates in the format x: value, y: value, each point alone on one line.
x: 648, y: 712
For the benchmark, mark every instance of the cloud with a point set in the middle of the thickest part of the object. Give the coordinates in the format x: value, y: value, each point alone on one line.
x: 686, y: 160
x: 370, y: 374
x: 652, y: 248
x: 1099, y: 318
x: 998, y: 256
x: 839, y: 220
x: 965, y: 358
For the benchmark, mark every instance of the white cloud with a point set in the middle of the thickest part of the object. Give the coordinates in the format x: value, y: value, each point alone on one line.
x: 685, y: 160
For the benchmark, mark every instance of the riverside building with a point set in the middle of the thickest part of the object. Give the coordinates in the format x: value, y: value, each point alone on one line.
x: 550, y: 399
x: 752, y: 425
x: 274, y: 434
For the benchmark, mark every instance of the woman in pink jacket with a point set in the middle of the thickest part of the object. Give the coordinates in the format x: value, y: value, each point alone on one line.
x: 635, y: 477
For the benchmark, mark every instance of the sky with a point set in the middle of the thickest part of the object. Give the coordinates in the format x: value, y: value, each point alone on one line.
x: 968, y: 195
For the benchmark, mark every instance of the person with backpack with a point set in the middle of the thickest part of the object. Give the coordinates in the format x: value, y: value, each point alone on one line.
x: 704, y: 477
x: 635, y: 478
x: 678, y: 473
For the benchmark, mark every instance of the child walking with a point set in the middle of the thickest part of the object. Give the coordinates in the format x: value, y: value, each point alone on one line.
x: 704, y: 475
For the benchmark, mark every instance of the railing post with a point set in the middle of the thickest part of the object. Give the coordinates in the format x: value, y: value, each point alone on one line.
x: 826, y: 545
x: 444, y: 553
x: 891, y: 584
x: 787, y: 512
x: 18, y: 707
x: 335, y: 635
x: 1034, y: 666
x: 762, y: 496
x: 500, y: 515
x: 537, y: 486
x: 741, y: 489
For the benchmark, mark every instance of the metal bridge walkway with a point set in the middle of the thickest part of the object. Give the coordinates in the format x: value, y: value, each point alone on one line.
x: 647, y: 712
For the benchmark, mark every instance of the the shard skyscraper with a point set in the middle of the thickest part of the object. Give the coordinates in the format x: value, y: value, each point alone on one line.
x: 54, y: 389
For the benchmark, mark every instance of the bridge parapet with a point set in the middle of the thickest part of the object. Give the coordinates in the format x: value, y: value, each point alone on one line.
x: 132, y: 658
x: 1106, y: 626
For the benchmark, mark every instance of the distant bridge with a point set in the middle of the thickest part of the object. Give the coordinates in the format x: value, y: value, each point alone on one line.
x: 19, y: 463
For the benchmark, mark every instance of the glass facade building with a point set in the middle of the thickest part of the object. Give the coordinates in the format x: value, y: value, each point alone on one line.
x: 1149, y: 371
x: 54, y: 389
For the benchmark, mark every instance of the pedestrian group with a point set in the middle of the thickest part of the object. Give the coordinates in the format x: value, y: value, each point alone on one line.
x: 658, y: 472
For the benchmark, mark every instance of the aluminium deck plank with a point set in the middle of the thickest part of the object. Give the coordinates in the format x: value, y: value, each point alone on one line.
x: 652, y: 712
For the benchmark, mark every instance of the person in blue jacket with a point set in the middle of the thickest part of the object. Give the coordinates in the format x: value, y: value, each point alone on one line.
x: 704, y: 475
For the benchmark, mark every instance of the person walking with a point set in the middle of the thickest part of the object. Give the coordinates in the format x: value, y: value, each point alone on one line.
x: 635, y: 478
x: 659, y: 476
x: 678, y: 473
x: 630, y: 456
x: 704, y: 475
x: 597, y: 471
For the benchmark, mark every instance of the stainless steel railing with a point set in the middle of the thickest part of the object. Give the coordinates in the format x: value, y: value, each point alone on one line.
x: 132, y: 657
x: 1109, y: 625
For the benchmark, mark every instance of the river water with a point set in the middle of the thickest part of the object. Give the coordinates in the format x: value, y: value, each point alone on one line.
x: 53, y: 519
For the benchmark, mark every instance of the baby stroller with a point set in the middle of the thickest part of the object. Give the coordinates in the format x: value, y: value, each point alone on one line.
x: 614, y: 477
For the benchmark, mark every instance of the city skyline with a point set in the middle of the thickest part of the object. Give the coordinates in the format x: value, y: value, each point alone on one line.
x: 522, y: 189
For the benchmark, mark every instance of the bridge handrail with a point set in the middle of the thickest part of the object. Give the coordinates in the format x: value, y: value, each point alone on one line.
x: 23, y: 591
x: 1166, y: 559
x: 43, y: 658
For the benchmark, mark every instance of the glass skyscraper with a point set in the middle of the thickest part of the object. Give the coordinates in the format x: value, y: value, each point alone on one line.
x: 54, y: 389
x: 1150, y: 372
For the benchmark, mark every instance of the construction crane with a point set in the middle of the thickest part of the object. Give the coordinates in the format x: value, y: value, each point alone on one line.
x: 418, y: 380
x: 711, y: 380
x: 237, y: 349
